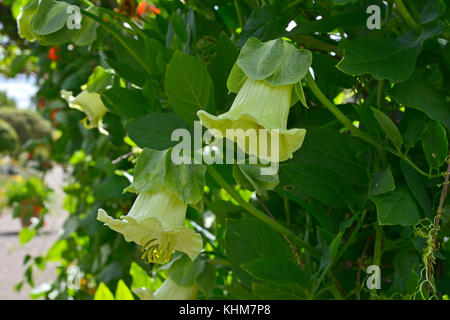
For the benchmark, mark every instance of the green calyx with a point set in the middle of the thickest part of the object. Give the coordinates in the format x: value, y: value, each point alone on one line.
x: 155, y: 169
x: 277, y: 62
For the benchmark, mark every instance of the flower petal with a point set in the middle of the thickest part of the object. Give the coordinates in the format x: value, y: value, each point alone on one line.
x: 188, y: 241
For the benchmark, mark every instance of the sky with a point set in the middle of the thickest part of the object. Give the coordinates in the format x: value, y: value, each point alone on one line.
x: 20, y: 88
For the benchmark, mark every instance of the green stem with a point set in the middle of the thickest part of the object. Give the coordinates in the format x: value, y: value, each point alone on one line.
x: 377, y: 254
x: 239, y: 14
x: 380, y: 96
x: 261, y: 215
x: 406, y: 16
x: 389, y: 9
x: 118, y: 37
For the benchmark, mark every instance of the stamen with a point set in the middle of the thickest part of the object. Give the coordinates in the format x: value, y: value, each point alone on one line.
x: 159, y: 252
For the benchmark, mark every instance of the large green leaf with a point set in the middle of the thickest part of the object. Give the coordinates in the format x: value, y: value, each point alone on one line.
x: 220, y: 67
x: 250, y: 178
x: 416, y: 184
x: 265, y: 23
x: 397, y: 208
x: 384, y: 58
x: 273, y: 290
x: 129, y: 103
x: 324, y: 154
x: 389, y: 128
x: 247, y: 240
x: 154, y: 130
x: 185, y: 180
x: 189, y: 86
x: 184, y: 271
x: 435, y: 144
x: 50, y: 17
x: 382, y: 182
x: 155, y: 169
x: 419, y: 94
x: 24, y: 19
x: 149, y: 171
x: 277, y: 62
x: 278, y: 270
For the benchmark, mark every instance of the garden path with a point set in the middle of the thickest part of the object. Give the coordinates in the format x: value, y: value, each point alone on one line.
x: 12, y: 253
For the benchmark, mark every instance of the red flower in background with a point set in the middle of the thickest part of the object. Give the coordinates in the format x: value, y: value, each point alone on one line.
x: 53, y: 54
x: 41, y: 103
x: 141, y: 8
x: 37, y: 209
x: 54, y: 111
x: 154, y: 10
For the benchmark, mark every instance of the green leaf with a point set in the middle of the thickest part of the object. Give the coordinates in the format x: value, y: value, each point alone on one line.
x: 189, y: 86
x: 24, y: 19
x: 330, y: 253
x: 416, y: 184
x: 187, y: 181
x: 384, y: 58
x: 417, y: 93
x: 277, y: 62
x: 99, y: 80
x: 184, y: 271
x: 122, y: 291
x: 25, y: 235
x: 88, y: 32
x: 396, y: 208
x: 435, y: 144
x: 382, y: 182
x: 428, y: 10
x: 236, y: 79
x: 103, y: 293
x: 178, y: 25
x: 149, y: 171
x: 405, y: 261
x: 207, y: 280
x: 154, y: 130
x: 50, y: 17
x: 220, y: 66
x: 416, y: 127
x: 155, y: 169
x: 250, y: 178
x: 247, y: 240
x: 281, y: 271
x: 389, y: 128
x: 273, y: 290
x: 129, y: 103
x: 324, y: 154
x: 140, y: 278
x: 265, y: 23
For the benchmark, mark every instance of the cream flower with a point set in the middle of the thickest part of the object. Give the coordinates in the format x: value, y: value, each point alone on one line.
x: 91, y: 104
x: 258, y: 105
x: 169, y: 290
x: 156, y: 222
